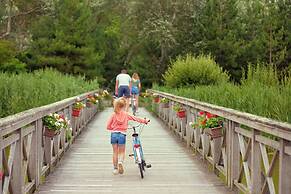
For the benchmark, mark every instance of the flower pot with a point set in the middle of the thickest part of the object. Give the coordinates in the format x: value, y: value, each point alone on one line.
x: 76, y: 112
x: 156, y: 99
x: 50, y: 133
x: 181, y: 114
x: 215, y: 132
x: 165, y: 105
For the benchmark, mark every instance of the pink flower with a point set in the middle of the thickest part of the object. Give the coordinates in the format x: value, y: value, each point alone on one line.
x: 1, y: 175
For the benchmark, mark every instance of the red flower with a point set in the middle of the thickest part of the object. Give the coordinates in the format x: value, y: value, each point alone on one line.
x: 201, y: 113
x: 209, y: 115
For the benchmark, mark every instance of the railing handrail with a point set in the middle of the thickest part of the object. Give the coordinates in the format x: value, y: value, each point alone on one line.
x: 280, y: 129
x: 28, y: 116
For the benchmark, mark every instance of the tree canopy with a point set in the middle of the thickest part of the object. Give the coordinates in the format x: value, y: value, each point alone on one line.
x: 97, y: 38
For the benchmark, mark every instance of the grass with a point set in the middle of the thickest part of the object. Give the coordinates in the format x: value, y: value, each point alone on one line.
x: 24, y: 91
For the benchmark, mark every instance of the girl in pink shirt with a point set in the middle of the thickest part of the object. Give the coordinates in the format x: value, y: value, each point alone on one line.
x: 118, y: 124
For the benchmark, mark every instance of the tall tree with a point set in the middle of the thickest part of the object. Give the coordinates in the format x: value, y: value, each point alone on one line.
x: 63, y: 40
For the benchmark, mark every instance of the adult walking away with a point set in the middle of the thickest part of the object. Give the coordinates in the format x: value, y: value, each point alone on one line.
x: 122, y: 86
x: 135, y: 88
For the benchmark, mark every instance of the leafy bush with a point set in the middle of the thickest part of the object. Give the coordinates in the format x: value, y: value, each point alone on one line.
x: 194, y: 71
x: 258, y: 94
x: 8, y: 60
x: 27, y: 90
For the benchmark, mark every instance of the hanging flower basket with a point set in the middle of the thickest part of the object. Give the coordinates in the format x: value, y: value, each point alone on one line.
x: 76, y: 112
x: 181, y: 114
x: 215, y: 132
x: 165, y: 102
x: 157, y: 99
x: 50, y: 132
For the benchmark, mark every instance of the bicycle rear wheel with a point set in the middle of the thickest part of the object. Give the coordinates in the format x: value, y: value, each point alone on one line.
x: 141, y: 169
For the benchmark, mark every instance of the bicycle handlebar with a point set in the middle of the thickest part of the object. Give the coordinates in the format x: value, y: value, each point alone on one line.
x: 140, y: 124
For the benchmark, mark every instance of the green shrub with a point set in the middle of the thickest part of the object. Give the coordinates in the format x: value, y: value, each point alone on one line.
x: 8, y: 60
x: 27, y: 90
x: 261, y: 93
x: 194, y: 71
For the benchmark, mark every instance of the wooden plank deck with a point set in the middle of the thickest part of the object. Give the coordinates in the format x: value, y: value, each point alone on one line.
x: 87, y: 167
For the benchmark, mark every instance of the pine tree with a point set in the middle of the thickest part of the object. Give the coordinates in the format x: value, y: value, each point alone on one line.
x: 64, y: 40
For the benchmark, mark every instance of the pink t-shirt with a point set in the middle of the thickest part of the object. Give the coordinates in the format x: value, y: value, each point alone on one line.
x: 118, y: 122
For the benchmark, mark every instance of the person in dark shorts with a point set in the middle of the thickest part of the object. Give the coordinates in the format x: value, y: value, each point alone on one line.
x: 122, y: 86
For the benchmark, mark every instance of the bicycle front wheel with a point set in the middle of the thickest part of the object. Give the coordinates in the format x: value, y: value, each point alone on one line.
x: 140, y: 165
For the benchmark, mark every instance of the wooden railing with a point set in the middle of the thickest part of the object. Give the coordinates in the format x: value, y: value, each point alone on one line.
x: 253, y: 156
x: 26, y: 154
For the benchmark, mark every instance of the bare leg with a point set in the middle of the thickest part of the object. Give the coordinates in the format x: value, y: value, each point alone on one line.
x: 115, y: 155
x: 136, y: 102
x: 127, y: 104
x: 121, y: 153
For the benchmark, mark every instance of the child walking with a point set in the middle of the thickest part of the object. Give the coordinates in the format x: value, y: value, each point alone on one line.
x: 118, y: 124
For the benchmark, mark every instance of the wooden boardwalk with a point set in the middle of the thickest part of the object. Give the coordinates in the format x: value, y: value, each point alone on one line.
x: 87, y: 167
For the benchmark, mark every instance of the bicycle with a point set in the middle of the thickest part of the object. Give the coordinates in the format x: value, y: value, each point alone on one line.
x: 137, y: 151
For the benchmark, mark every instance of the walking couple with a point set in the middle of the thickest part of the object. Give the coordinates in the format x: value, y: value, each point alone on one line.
x: 126, y: 86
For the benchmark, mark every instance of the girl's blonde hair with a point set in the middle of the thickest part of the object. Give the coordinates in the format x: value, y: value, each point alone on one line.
x: 119, y: 104
x: 135, y: 76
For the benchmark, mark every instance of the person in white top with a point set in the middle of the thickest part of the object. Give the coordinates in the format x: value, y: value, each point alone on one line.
x: 122, y: 86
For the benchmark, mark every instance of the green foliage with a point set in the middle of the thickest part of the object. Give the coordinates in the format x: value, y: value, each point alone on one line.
x: 27, y: 90
x: 8, y: 60
x: 65, y: 40
x: 256, y: 94
x: 194, y: 71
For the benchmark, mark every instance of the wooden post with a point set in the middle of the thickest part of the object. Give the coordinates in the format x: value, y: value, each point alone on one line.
x: 188, y: 128
x: 183, y: 128
x: 255, y: 164
x: 17, y: 180
x: 33, y: 155
x: 48, y: 151
x: 197, y: 137
x: 39, y: 155
x: 171, y: 115
x: 233, y: 154
x: 284, y: 168
x: 205, y: 144
x: 216, y: 150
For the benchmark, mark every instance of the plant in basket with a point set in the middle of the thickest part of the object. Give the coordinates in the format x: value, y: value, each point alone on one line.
x: 156, y: 98
x: 145, y: 94
x: 53, y: 123
x: 98, y: 96
x: 105, y: 94
x: 165, y: 102
x: 180, y: 111
x: 77, y: 107
x: 91, y: 100
x: 212, y: 124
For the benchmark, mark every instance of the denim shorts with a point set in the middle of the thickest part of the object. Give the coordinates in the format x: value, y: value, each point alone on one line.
x: 134, y: 90
x: 118, y: 138
x: 123, y: 91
